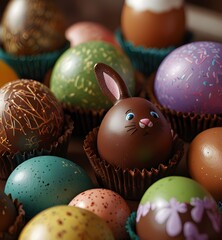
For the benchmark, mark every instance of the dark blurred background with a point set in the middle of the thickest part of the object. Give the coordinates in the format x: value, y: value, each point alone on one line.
x: 106, y: 12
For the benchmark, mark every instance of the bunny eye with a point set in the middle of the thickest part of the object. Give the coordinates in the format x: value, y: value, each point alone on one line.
x: 129, y: 116
x: 154, y: 114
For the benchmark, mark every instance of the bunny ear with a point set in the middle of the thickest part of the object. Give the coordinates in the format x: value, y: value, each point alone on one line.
x: 110, y: 82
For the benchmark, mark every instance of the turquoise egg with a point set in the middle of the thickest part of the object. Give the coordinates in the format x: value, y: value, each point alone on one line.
x: 46, y: 181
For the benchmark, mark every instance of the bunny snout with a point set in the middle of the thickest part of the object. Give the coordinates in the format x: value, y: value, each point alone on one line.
x: 145, y: 122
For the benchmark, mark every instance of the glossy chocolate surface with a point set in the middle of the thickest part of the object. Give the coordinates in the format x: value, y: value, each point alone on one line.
x: 205, y: 160
x: 133, y: 133
x: 141, y: 142
x: 32, y: 26
x: 30, y: 117
x: 154, y: 30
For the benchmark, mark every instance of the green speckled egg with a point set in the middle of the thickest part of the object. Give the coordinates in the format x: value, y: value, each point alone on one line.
x: 178, y: 208
x: 46, y: 181
x: 66, y: 223
x: 73, y: 81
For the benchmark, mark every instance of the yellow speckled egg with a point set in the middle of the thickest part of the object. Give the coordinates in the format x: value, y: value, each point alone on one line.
x: 66, y: 223
x: 153, y: 23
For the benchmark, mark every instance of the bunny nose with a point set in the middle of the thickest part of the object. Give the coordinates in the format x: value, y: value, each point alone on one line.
x: 145, y: 122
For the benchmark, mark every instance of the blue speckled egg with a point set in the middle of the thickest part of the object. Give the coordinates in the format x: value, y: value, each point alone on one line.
x: 46, y: 181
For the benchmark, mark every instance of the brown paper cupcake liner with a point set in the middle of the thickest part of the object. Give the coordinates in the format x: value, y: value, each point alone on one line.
x: 186, y: 125
x: 9, y: 162
x: 129, y: 183
x: 85, y: 120
x: 14, y: 230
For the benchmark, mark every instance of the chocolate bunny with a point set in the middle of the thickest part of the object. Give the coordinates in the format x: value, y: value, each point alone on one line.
x: 133, y: 133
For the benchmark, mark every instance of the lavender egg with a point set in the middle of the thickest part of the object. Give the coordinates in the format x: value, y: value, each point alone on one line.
x: 190, y: 79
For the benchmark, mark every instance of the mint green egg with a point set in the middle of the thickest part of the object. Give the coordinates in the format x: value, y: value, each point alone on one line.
x: 73, y: 81
x: 181, y: 188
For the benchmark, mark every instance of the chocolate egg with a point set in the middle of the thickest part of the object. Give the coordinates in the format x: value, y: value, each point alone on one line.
x: 30, y: 117
x: 46, y: 181
x: 108, y: 205
x: 133, y: 133
x: 8, y: 212
x: 204, y: 160
x: 189, y: 79
x: 152, y: 23
x: 89, y: 31
x: 73, y: 81
x: 66, y: 222
x: 32, y: 27
x: 178, y: 208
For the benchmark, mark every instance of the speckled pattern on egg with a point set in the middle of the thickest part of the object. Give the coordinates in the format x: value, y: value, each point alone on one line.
x: 190, y: 78
x: 66, y: 223
x: 73, y: 80
x: 45, y: 181
x: 108, y: 205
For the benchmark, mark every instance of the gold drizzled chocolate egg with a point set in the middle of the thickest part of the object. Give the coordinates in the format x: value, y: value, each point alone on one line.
x: 32, y: 27
x: 30, y: 117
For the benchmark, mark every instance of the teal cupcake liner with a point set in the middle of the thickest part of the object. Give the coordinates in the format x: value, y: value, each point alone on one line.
x: 34, y: 66
x: 131, y: 227
x: 146, y: 60
x: 9, y: 161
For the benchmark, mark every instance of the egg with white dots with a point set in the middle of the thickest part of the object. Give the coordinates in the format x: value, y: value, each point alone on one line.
x: 190, y: 79
x: 45, y: 181
x: 66, y: 223
x: 108, y: 205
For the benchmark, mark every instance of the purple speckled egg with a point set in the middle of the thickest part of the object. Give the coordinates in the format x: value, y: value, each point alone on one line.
x: 190, y: 79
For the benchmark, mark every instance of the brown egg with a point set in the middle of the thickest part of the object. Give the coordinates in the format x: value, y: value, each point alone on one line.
x: 32, y: 26
x: 205, y: 160
x: 30, y: 117
x: 153, y: 23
